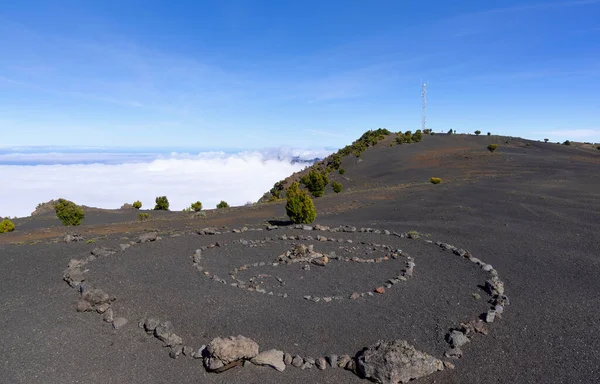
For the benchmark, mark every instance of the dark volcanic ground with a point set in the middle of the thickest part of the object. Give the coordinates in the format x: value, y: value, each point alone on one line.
x: 533, y: 212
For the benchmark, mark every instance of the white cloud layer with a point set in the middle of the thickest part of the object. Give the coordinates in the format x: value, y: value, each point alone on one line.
x: 183, y: 178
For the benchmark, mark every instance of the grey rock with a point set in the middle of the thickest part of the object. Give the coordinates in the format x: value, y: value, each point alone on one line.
x: 297, y: 361
x: 95, y: 296
x: 343, y: 361
x: 124, y: 246
x: 198, y: 354
x: 499, y: 309
x: 103, y: 251
x: 145, y: 237
x: 164, y: 330
x: 490, y: 316
x: 307, y: 228
x: 457, y: 338
x: 232, y: 348
x: 187, y: 350
x: 487, y: 267
x: 212, y: 363
x: 395, y: 362
x: 119, y: 322
x: 454, y: 353
x: 175, y: 351
x: 102, y: 308
x: 321, y: 363
x: 173, y: 339
x: 73, y: 238
x: 272, y: 358
x: 287, y: 358
x: 108, y: 316
x: 83, y: 306
x: 355, y: 296
x: 333, y: 360
x: 151, y: 323
x: 271, y: 227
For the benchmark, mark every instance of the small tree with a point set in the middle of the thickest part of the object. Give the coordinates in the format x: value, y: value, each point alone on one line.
x: 299, y: 207
x: 478, y: 132
x: 197, y: 206
x: 6, y: 226
x: 545, y: 140
x: 316, y: 182
x: 489, y: 133
x: 68, y: 212
x: 162, y: 203
x: 337, y: 187
x: 450, y: 132
x: 137, y: 204
x: 567, y: 142
x: 492, y: 147
x: 143, y: 216
x: 222, y: 204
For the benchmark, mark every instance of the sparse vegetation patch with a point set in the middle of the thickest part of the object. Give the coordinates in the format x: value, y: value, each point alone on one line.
x: 492, y: 147
x: 337, y: 187
x: 143, y: 216
x: 68, y: 212
x: 435, y: 180
x: 6, y: 226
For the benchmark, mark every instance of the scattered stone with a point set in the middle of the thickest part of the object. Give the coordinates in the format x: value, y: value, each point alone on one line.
x: 187, y: 350
x: 457, y: 338
x: 83, y: 306
x: 297, y: 361
x: 150, y: 324
x: 172, y: 340
x: 355, y: 296
x: 175, y: 351
x: 287, y: 358
x: 230, y: 349
x: 73, y: 238
x: 476, y: 296
x: 271, y: 227
x: 199, y: 352
x: 454, y: 353
x: 396, y: 362
x: 102, y: 308
x: 321, y: 363
x: 149, y: 236
x: 333, y: 360
x: 272, y: 358
x: 487, y: 267
x: 490, y: 316
x: 343, y: 361
x: 108, y: 315
x: 119, y: 322
x: 307, y: 228
x: 320, y: 261
x: 448, y: 365
x: 124, y: 246
x: 95, y: 296
x: 103, y: 251
x: 380, y: 290
x: 164, y: 330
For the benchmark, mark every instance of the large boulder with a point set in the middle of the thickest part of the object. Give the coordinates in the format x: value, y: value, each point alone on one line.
x: 395, y: 362
x: 223, y: 351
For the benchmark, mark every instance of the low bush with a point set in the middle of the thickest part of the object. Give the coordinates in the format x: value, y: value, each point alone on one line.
x: 143, y: 216
x: 137, y: 204
x: 315, y: 181
x: 545, y: 140
x: 492, y: 147
x: 567, y: 142
x: 197, y: 206
x: 299, y: 207
x: 342, y: 170
x: 222, y: 204
x: 489, y: 133
x: 68, y: 212
x: 162, y: 203
x: 598, y: 147
x: 337, y: 187
x: 6, y: 226
x: 435, y: 180
x: 478, y: 132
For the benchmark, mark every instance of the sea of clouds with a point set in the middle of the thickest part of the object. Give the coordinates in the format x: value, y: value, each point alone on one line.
x: 109, y: 178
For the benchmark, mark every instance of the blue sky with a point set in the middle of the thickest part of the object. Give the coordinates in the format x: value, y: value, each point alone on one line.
x: 254, y: 74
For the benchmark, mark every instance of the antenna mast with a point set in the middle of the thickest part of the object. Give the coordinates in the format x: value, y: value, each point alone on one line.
x: 423, y: 106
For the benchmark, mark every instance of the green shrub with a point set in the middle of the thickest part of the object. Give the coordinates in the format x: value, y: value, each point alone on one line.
x: 450, y: 132
x: 6, y: 226
x: 299, y: 207
x: 197, y: 206
x: 567, y: 142
x: 435, y: 180
x: 432, y: 133
x: 478, y: 132
x: 143, y: 216
x: 337, y: 187
x: 316, y: 182
x: 68, y: 212
x: 492, y: 147
x: 545, y: 140
x: 342, y: 171
x: 137, y: 204
x: 222, y: 204
x: 187, y: 209
x: 489, y: 133
x: 162, y: 203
